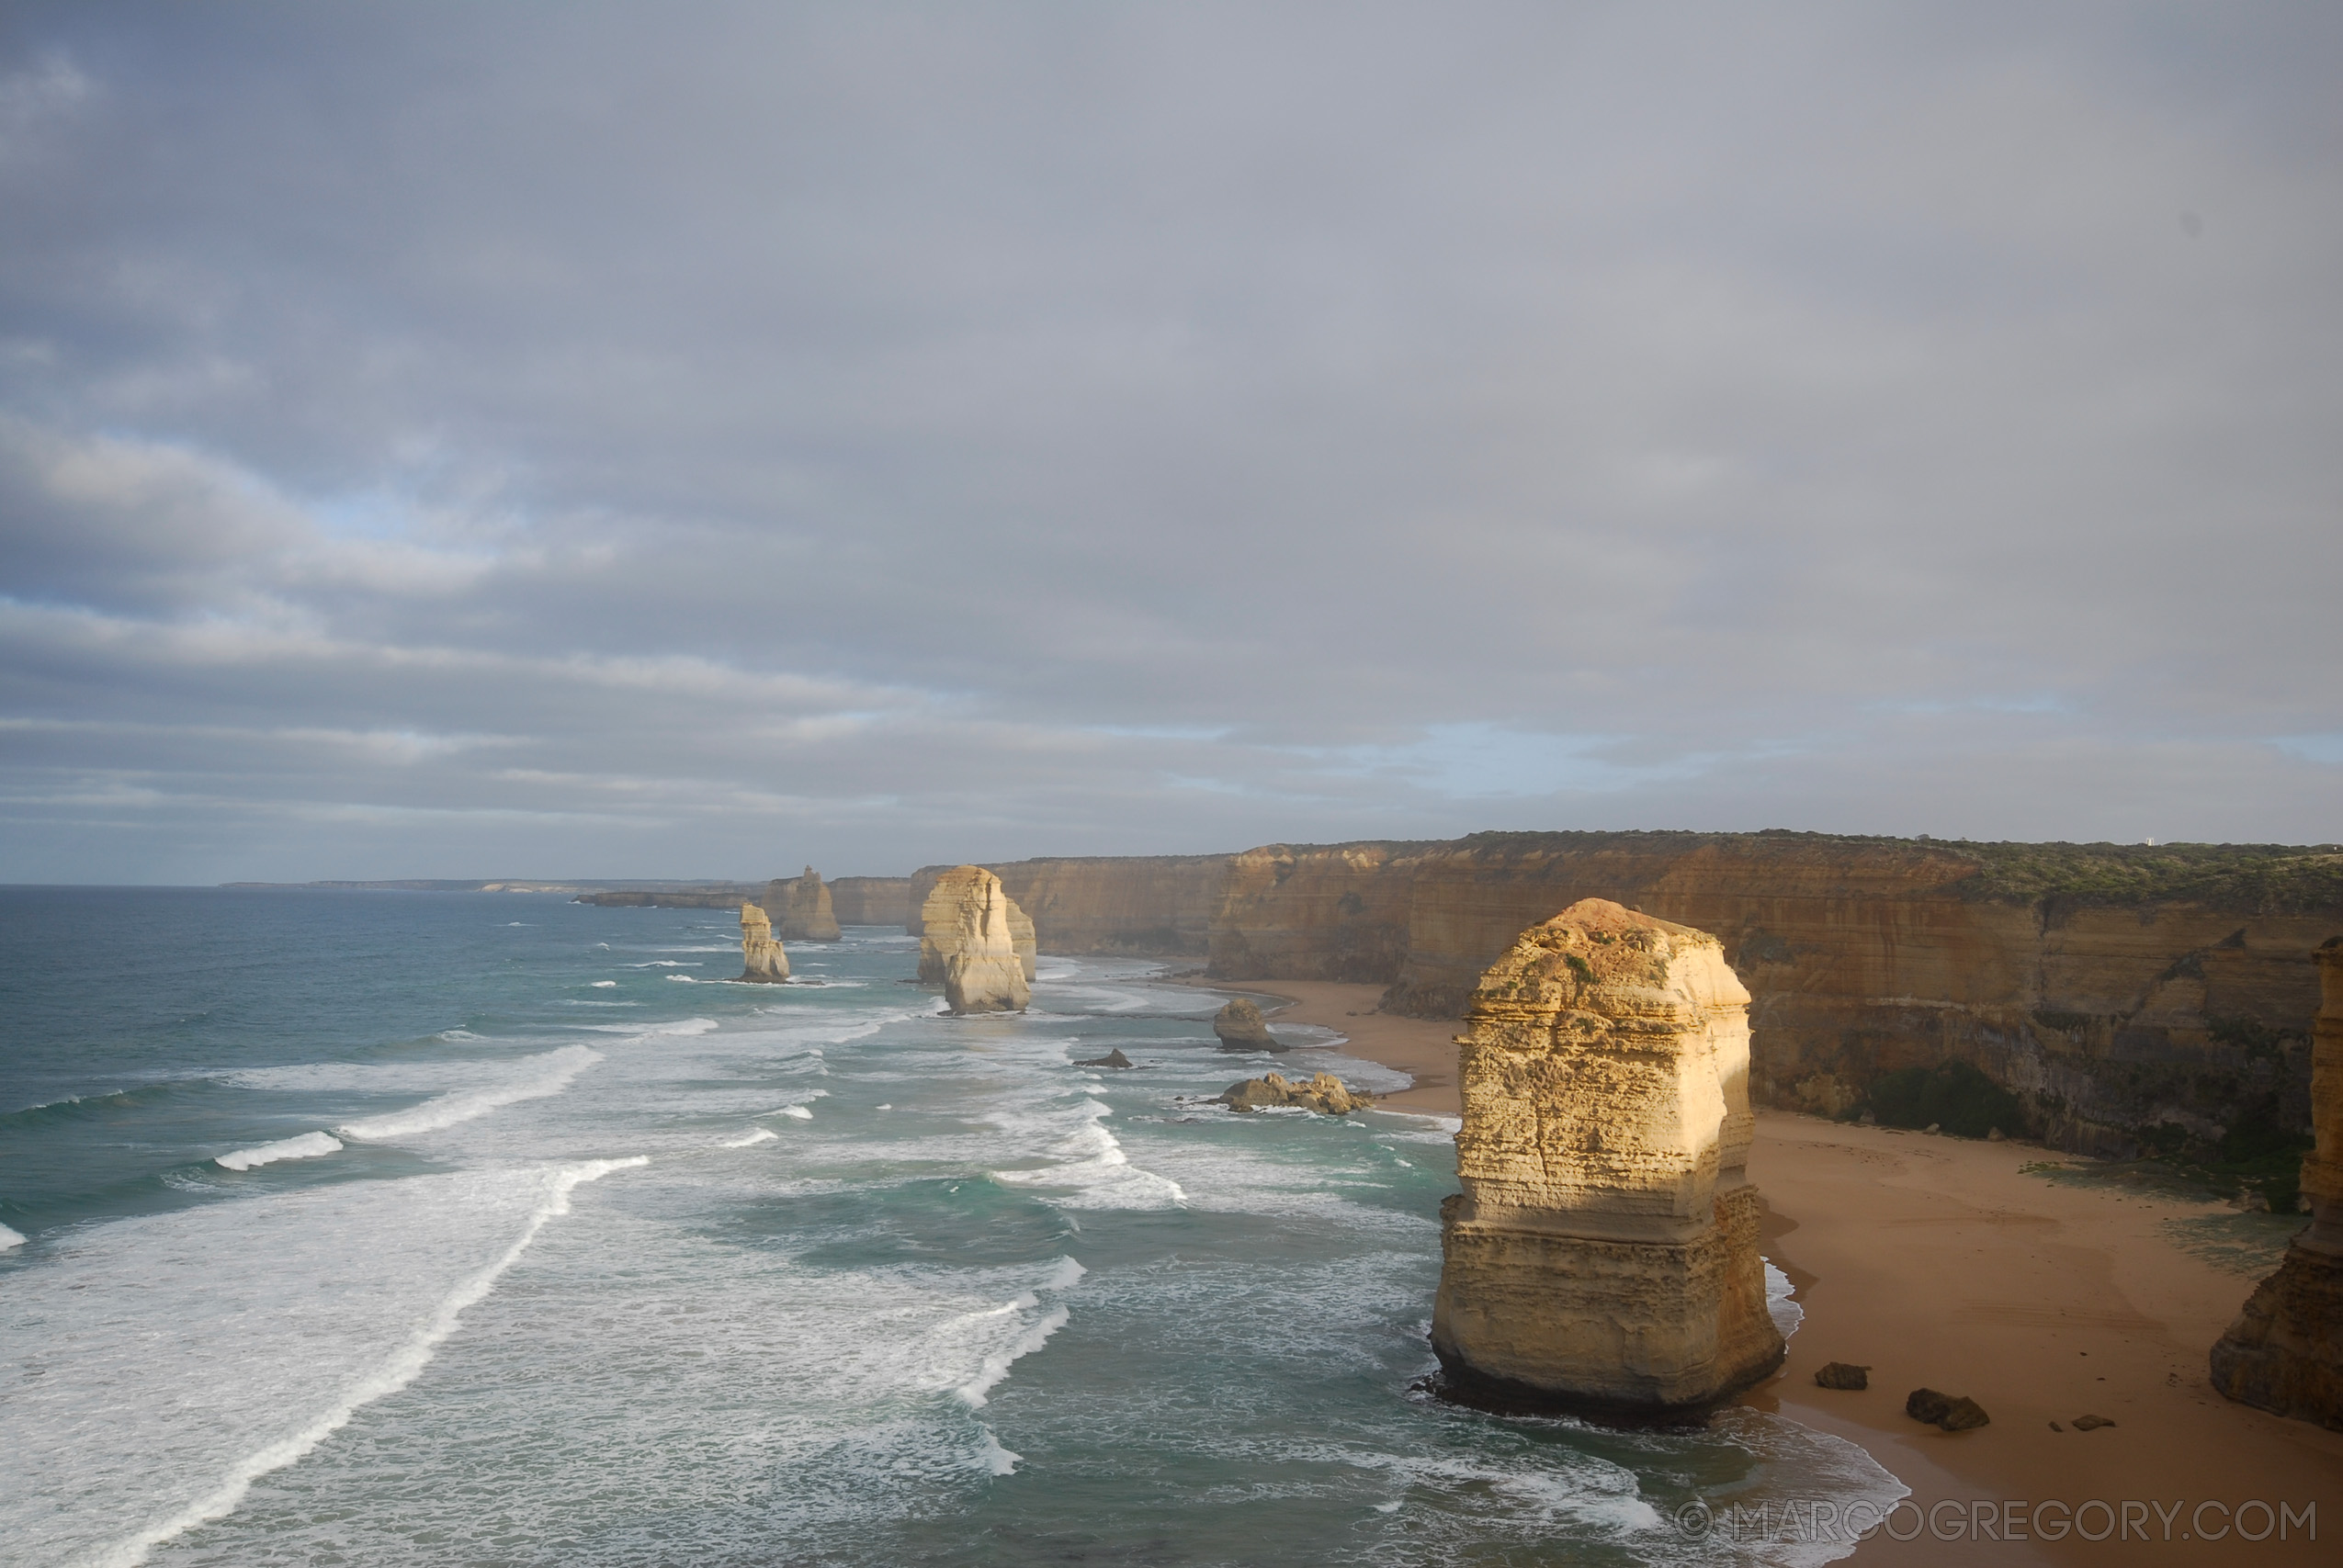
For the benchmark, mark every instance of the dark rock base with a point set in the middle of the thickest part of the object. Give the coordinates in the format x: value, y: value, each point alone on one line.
x: 2284, y: 1354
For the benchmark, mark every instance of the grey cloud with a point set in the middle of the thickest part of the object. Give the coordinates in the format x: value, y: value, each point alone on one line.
x: 918, y: 432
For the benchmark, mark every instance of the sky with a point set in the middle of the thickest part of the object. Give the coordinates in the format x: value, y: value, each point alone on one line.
x: 699, y: 440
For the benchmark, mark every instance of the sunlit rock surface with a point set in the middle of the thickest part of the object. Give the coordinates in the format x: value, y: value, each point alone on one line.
x: 800, y: 908
x: 967, y: 943
x: 1603, y: 1252
x: 762, y: 957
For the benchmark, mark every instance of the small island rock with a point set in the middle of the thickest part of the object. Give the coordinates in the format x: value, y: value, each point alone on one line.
x: 1326, y: 1094
x: 1241, y: 1028
x: 761, y: 957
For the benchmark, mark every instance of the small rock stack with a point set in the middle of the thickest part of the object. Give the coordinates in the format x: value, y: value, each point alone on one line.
x: 967, y: 945
x: 800, y: 908
x: 761, y: 958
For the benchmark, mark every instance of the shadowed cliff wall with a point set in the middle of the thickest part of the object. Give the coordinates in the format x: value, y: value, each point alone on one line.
x: 872, y: 900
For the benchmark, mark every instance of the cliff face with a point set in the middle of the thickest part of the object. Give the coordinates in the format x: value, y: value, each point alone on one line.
x: 2285, y: 1351
x: 1332, y: 912
x: 872, y: 900
x: 761, y: 958
x: 2108, y: 1011
x: 800, y: 908
x: 1157, y: 905
x: 1603, y: 1251
x: 967, y: 945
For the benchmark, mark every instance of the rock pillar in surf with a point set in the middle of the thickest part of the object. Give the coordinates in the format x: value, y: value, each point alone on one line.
x: 800, y: 906
x: 967, y: 943
x: 761, y: 957
x: 2285, y: 1351
x: 1603, y: 1254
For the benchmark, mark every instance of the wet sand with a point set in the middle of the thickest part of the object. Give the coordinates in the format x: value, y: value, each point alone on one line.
x: 1939, y: 1262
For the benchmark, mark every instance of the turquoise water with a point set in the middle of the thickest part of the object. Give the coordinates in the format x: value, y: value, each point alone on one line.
x: 387, y: 1229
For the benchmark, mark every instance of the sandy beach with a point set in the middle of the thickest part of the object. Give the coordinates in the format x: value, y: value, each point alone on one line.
x: 1943, y: 1262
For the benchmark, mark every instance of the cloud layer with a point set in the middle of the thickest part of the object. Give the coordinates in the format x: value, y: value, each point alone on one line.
x: 480, y: 441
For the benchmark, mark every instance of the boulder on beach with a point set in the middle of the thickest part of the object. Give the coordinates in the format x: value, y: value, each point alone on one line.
x: 1325, y: 1093
x: 761, y: 958
x: 1843, y: 1375
x: 1954, y: 1412
x: 1241, y: 1027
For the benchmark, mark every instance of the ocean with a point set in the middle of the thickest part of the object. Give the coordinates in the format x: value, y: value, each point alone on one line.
x: 375, y: 1228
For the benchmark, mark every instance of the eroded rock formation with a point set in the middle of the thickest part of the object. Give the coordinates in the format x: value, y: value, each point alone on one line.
x: 1157, y: 905
x: 1020, y: 937
x: 800, y: 908
x: 967, y: 945
x: 1325, y: 1093
x: 1603, y: 1252
x: 1240, y: 1027
x: 762, y: 957
x: 2285, y: 1351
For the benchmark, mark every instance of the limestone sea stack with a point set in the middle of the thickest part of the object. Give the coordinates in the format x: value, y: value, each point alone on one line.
x: 800, y: 908
x: 761, y: 957
x: 2285, y: 1351
x: 1603, y: 1254
x: 967, y: 945
x: 1020, y: 937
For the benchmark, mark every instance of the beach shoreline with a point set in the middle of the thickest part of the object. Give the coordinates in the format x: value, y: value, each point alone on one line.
x: 1943, y: 1262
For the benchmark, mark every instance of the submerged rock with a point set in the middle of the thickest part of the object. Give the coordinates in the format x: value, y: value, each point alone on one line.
x: 1603, y: 1254
x: 1325, y: 1093
x: 966, y: 944
x: 800, y: 908
x: 761, y: 958
x: 1843, y: 1375
x: 1241, y: 1027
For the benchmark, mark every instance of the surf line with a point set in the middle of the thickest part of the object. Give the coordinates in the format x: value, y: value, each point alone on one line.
x: 396, y: 1374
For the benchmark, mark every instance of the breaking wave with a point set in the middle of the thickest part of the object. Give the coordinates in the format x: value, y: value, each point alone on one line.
x: 556, y: 1069
x: 309, y: 1146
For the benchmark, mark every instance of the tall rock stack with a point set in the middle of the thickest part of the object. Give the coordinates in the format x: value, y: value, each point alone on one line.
x: 1020, y: 937
x: 1603, y: 1254
x: 2285, y: 1351
x: 761, y: 957
x: 967, y: 943
x: 800, y: 908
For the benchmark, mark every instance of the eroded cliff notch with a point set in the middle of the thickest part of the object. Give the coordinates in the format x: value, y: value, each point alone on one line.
x: 800, y: 906
x: 1602, y: 1255
x: 968, y: 943
x: 2285, y: 1351
x: 761, y: 957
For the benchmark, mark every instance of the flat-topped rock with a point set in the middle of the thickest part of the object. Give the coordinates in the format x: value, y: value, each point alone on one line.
x: 761, y: 958
x: 1603, y: 1252
x: 966, y: 944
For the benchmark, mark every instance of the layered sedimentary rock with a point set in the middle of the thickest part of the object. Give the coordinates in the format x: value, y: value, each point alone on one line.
x: 1155, y: 905
x: 760, y: 956
x: 2285, y: 1351
x: 967, y: 945
x: 872, y: 900
x: 1020, y: 937
x: 721, y: 896
x: 1325, y: 1093
x: 1240, y: 1027
x: 1603, y: 1252
x: 800, y: 908
x: 2114, y: 990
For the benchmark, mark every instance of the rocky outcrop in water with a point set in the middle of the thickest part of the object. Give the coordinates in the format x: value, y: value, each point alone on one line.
x: 761, y: 957
x: 800, y: 908
x: 1603, y: 1252
x: 1021, y: 938
x: 1155, y: 905
x: 1240, y: 1027
x: 2285, y: 1351
x: 1325, y: 1093
x: 966, y: 944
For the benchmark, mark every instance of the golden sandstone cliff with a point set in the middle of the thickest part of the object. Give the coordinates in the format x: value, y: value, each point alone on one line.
x: 800, y: 908
x: 1603, y: 1252
x: 761, y: 957
x: 967, y: 943
x: 1161, y: 906
x: 2285, y: 1351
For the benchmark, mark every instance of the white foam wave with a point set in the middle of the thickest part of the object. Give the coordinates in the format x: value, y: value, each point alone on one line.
x: 554, y: 1070
x: 1786, y: 1313
x: 670, y: 962
x: 9, y: 1239
x: 1092, y: 1166
x: 1065, y: 1276
x: 686, y: 979
x: 994, y: 1459
x: 796, y: 1112
x: 309, y: 1146
x: 603, y: 985
x: 389, y: 1378
x: 759, y: 1135
x: 997, y: 1364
